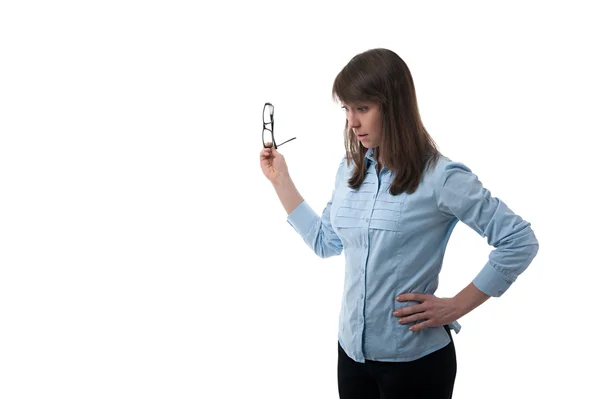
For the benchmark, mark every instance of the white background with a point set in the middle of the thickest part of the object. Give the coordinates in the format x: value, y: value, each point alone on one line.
x: 144, y: 255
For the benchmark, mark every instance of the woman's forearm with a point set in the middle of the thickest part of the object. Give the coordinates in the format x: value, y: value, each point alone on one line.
x: 288, y: 194
x: 469, y: 298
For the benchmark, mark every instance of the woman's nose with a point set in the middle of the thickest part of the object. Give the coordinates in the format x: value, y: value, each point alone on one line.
x: 353, y: 121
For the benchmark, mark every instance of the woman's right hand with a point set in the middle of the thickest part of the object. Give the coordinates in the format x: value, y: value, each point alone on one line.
x: 273, y: 165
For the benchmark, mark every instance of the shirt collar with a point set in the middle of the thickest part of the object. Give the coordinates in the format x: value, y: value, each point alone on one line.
x: 370, y: 155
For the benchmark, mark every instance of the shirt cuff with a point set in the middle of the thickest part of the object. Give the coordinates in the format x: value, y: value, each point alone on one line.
x: 303, y: 218
x: 491, y: 281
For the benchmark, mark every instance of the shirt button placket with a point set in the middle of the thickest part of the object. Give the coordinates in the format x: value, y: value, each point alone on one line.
x: 362, y: 272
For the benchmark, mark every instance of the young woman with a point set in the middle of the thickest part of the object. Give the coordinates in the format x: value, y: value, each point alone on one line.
x: 394, y: 206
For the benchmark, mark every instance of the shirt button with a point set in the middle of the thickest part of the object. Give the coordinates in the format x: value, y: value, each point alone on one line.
x: 367, y: 219
x: 365, y: 246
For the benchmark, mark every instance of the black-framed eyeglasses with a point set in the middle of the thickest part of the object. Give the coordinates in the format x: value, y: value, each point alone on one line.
x: 268, y: 127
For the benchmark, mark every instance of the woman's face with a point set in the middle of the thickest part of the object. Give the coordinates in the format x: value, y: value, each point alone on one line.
x: 365, y: 121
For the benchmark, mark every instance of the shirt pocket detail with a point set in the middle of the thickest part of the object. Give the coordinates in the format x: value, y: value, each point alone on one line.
x: 348, y: 217
x: 379, y: 213
x: 386, y: 216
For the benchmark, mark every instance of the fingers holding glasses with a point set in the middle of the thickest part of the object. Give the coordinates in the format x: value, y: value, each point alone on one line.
x: 266, y: 153
x: 268, y: 146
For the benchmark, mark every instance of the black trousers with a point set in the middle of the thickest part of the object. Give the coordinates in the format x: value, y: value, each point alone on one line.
x: 430, y: 377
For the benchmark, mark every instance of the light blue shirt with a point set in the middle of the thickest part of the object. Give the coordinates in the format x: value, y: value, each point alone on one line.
x: 395, y: 245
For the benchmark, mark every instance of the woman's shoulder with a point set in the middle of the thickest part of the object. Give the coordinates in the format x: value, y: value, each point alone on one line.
x: 344, y: 168
x: 436, y: 166
x: 445, y: 163
x: 445, y: 167
x: 345, y: 163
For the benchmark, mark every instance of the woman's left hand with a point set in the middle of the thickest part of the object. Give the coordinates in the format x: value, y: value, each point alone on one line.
x: 432, y: 311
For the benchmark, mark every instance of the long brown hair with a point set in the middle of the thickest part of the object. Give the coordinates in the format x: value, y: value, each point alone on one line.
x: 381, y: 76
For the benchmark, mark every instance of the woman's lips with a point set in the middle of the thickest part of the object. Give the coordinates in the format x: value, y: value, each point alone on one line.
x: 361, y: 136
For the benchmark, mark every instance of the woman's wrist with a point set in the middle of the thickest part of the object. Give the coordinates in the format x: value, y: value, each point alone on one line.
x: 282, y: 180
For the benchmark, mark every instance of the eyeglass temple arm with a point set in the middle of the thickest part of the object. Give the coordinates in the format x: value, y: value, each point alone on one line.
x: 280, y: 144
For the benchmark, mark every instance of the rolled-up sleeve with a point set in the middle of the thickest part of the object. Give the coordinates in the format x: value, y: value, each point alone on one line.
x: 460, y: 194
x: 317, y: 231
